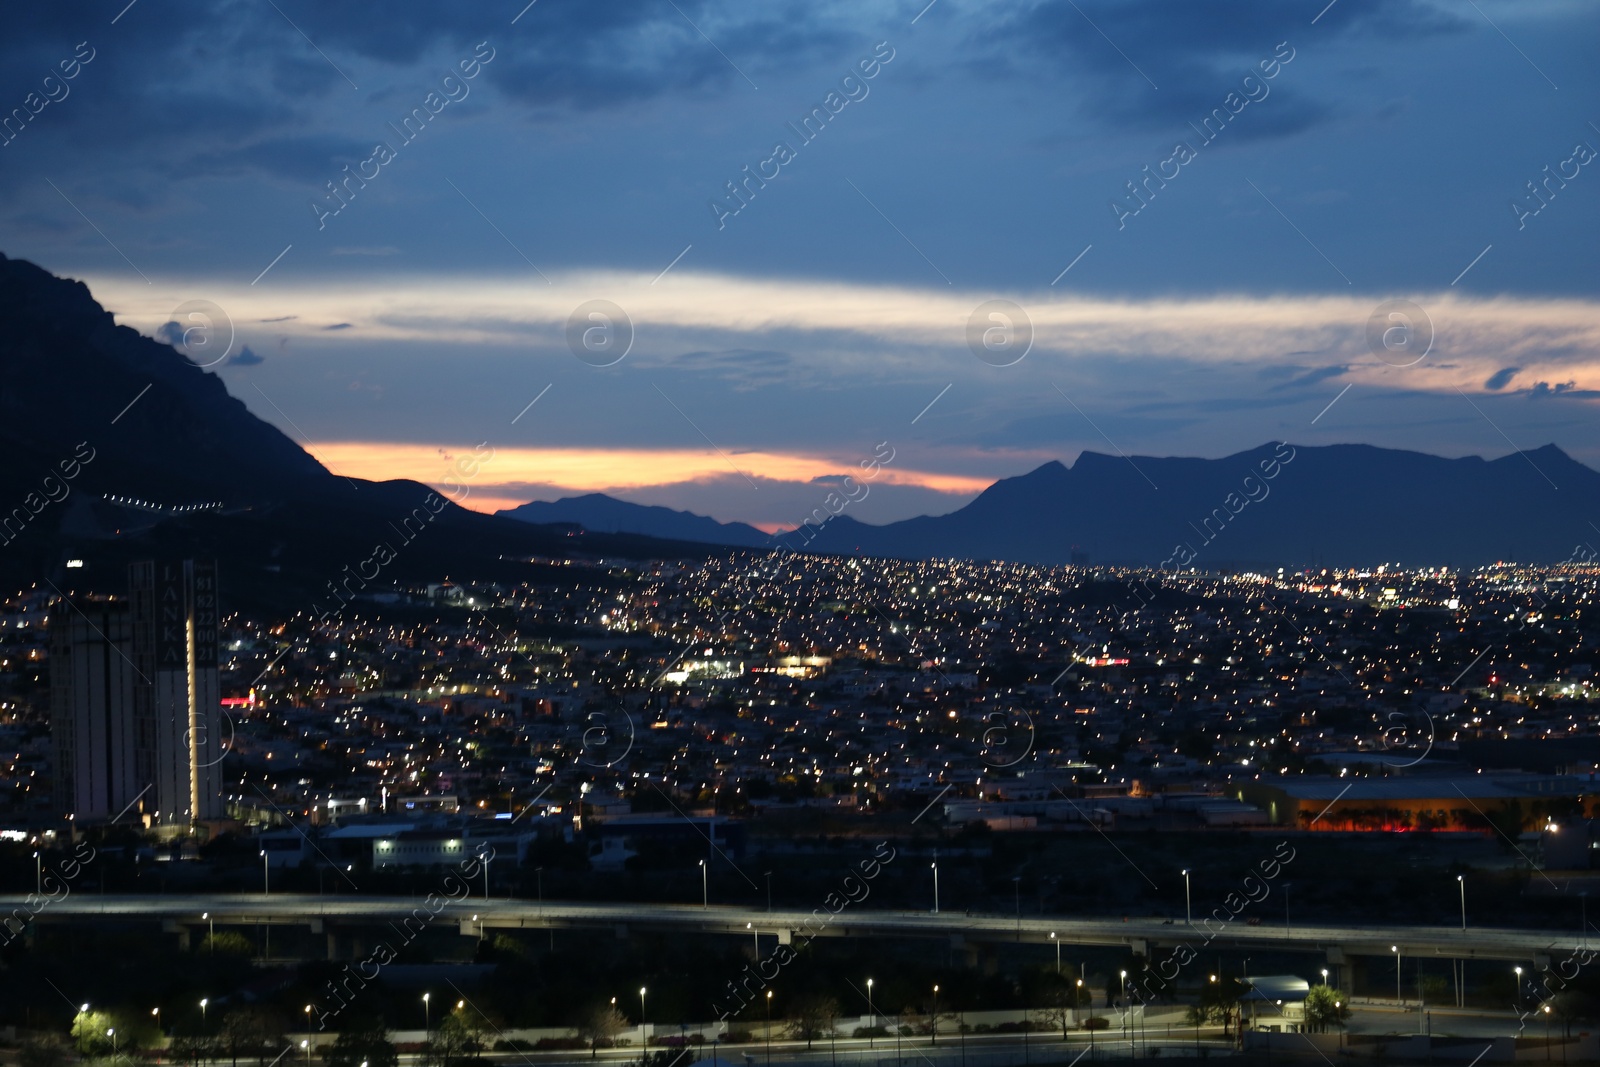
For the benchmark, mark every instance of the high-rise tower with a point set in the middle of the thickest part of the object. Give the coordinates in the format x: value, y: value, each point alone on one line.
x: 135, y: 704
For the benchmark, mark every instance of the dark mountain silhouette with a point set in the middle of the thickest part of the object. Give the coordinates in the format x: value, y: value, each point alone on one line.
x: 91, y: 410
x: 605, y: 514
x: 1277, y: 505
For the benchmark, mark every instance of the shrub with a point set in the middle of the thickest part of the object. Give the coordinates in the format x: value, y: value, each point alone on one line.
x: 1096, y: 1022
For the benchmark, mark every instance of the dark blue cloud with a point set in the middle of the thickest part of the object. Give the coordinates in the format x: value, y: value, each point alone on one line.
x: 1501, y: 378
x: 1163, y: 66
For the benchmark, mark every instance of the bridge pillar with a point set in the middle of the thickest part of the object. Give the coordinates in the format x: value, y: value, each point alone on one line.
x: 1336, y: 963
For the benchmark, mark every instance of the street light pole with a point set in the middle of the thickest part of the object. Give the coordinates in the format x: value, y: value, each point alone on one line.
x: 933, y: 1029
x: 935, y: 866
x: 38, y: 874
x: 1188, y: 906
x: 769, y: 1028
x: 203, y: 1002
x: 872, y: 1018
x: 265, y: 885
x: 1462, y: 880
x: 1057, y: 940
x: 705, y: 886
x: 427, y: 1015
x: 1398, y: 999
x: 644, y: 1037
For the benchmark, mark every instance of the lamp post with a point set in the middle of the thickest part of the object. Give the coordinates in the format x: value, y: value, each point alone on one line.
x: 1546, y: 1034
x: 872, y: 1018
x: 644, y: 1037
x: 38, y: 874
x: 156, y: 1011
x: 211, y: 931
x: 1324, y: 976
x: 306, y: 1044
x: 1057, y: 940
x: 935, y: 866
x: 705, y: 886
x: 203, y: 1002
x: 266, y: 887
x: 1127, y: 1031
x: 769, y: 1028
x: 1461, y: 879
x: 427, y: 1014
x: 1077, y: 998
x: 111, y: 1032
x: 933, y: 1028
x: 1188, y: 907
x: 755, y: 938
x: 1397, y: 997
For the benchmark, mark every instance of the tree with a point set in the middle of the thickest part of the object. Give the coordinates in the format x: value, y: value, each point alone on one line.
x: 248, y: 1030
x: 191, y: 1051
x: 91, y: 1032
x: 1570, y: 1006
x: 1219, y: 1002
x: 366, y: 1040
x: 601, y: 1022
x: 454, y: 1043
x: 1325, y: 1006
x: 812, y: 1015
x: 1053, y: 997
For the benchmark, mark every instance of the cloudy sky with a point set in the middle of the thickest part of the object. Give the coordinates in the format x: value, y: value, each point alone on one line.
x: 1206, y: 222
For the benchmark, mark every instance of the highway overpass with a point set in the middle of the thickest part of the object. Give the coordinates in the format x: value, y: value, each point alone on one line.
x: 182, y: 915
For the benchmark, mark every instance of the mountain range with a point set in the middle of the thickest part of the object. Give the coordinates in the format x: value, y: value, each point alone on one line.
x: 112, y: 439
x: 1276, y: 505
x: 118, y: 447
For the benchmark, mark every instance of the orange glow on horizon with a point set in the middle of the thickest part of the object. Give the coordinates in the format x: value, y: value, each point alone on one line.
x: 597, y: 470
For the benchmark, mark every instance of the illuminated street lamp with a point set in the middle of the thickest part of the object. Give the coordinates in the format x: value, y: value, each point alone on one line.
x: 1188, y: 907
x: 427, y: 1013
x: 1462, y: 880
x: 644, y: 1038
x: 872, y: 1017
x: 1398, y: 998
x: 203, y: 1002
x: 705, y: 885
x: 933, y: 1030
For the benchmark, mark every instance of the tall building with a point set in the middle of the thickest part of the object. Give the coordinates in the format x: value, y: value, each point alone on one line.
x: 92, y: 680
x: 136, y: 706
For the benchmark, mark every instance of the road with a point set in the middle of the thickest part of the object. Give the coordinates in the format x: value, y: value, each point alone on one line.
x: 475, y: 915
